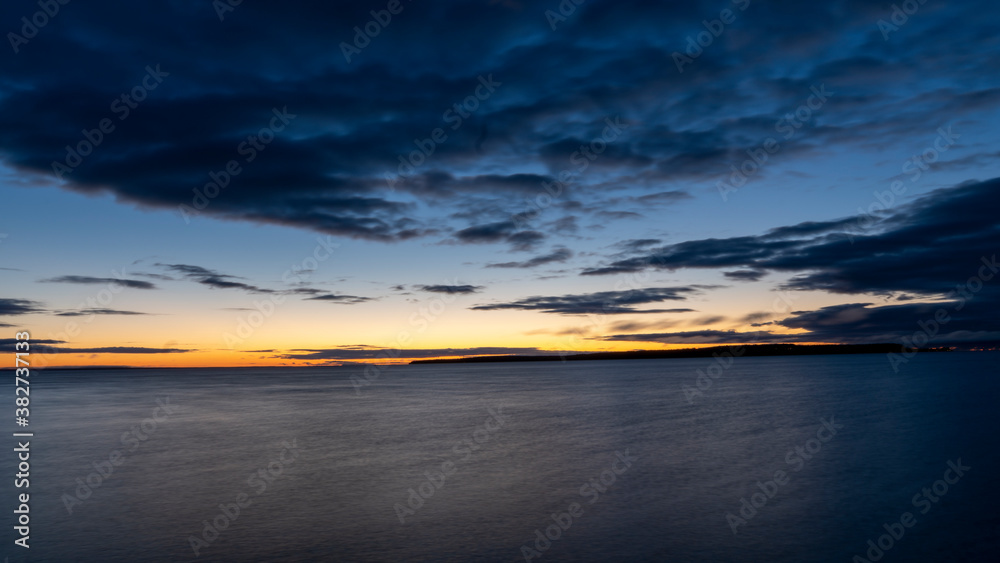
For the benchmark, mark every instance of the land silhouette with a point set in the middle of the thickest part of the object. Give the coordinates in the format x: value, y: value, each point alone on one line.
x: 744, y: 350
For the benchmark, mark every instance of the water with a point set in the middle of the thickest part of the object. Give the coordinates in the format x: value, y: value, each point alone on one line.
x: 561, y: 424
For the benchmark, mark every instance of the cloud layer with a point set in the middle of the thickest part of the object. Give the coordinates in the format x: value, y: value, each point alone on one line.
x: 603, y: 302
x: 499, y: 116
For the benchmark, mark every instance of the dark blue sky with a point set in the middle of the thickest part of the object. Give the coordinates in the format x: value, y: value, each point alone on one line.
x: 684, y: 162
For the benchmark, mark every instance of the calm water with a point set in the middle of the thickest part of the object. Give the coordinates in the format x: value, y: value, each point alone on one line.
x: 332, y: 496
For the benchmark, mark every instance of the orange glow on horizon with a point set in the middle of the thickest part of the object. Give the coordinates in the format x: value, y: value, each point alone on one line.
x: 238, y: 358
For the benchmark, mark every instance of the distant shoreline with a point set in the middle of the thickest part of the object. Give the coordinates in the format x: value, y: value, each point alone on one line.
x: 748, y: 350
x: 756, y: 350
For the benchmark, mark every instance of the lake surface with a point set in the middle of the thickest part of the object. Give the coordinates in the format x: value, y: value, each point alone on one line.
x: 326, y: 472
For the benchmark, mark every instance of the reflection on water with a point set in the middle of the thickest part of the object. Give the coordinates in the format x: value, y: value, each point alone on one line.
x: 806, y: 458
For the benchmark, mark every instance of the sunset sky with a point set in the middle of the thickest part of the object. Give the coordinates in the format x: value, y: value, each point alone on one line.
x: 494, y: 177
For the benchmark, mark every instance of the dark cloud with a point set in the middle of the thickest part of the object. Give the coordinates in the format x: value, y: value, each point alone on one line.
x: 88, y: 312
x: 756, y: 317
x: 213, y: 279
x: 223, y: 283
x: 925, y: 247
x: 501, y: 232
x: 217, y: 280
x: 492, y: 232
x: 150, y: 275
x: 87, y: 280
x: 375, y: 353
x: 745, y: 275
x: 614, y: 155
x: 19, y: 307
x: 9, y: 342
x: 444, y: 185
x: 565, y: 225
x: 704, y: 337
x: 707, y: 253
x: 604, y: 302
x: 358, y: 122
x: 811, y: 228
x: 635, y: 245
x: 557, y: 255
x: 112, y: 350
x: 304, y: 291
x: 192, y: 271
x: 961, y: 323
x: 958, y: 322
x: 707, y: 320
x: 340, y: 299
x: 618, y: 215
x: 451, y: 289
x: 47, y: 346
x: 624, y: 267
x: 660, y: 198
x: 941, y: 246
x: 631, y: 326
x: 525, y: 241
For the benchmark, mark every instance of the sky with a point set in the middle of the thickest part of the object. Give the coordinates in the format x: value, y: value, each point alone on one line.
x: 302, y: 183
